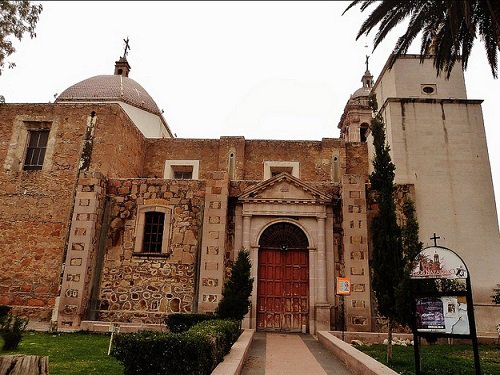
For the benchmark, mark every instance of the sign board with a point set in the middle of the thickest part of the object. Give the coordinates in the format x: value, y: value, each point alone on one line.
x: 343, y: 285
x: 442, y: 314
x: 437, y: 262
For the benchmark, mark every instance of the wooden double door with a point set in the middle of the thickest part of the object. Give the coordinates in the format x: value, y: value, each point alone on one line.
x: 283, y: 289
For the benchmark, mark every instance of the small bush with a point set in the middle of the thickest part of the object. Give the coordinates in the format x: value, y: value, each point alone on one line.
x: 182, y: 322
x: 224, y: 333
x: 196, y: 351
x: 235, y: 300
x: 11, y: 328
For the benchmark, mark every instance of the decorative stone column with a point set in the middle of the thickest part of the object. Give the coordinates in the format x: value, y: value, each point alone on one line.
x: 321, y: 288
x: 322, y: 307
x: 82, y: 248
x: 246, y: 232
x: 212, y: 269
x: 247, y: 320
x: 355, y: 225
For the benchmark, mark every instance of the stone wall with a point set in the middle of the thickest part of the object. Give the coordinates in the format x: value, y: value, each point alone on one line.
x: 357, y: 159
x: 213, y: 251
x: 323, y: 160
x: 81, y: 255
x: 118, y: 149
x: 355, y: 225
x: 159, y: 150
x: 143, y: 288
x: 36, y: 205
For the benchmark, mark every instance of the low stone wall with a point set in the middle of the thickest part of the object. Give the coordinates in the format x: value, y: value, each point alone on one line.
x: 234, y: 360
x: 370, y: 337
x: 359, y: 363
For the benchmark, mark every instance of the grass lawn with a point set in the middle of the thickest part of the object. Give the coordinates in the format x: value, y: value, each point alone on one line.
x: 71, y: 353
x: 439, y: 359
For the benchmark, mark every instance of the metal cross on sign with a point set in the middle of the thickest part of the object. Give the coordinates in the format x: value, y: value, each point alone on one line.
x: 127, y: 47
x: 435, y: 238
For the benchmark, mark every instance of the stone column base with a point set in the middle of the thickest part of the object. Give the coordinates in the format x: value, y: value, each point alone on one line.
x: 322, y: 312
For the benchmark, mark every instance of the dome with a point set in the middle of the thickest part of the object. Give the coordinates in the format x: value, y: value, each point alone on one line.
x: 361, y: 95
x: 362, y: 91
x: 110, y: 88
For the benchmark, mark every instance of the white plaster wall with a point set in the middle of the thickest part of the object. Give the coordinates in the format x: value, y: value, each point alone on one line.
x: 407, y: 75
x: 441, y: 149
x: 148, y: 123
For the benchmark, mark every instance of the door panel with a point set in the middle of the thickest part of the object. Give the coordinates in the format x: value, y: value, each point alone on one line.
x: 283, y: 289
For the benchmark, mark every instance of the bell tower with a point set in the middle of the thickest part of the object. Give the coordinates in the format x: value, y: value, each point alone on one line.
x: 355, y: 121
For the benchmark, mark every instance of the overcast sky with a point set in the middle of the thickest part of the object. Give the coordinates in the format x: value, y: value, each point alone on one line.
x: 263, y: 70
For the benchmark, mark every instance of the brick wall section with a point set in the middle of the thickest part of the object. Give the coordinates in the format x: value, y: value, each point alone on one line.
x: 143, y: 289
x: 315, y: 157
x: 36, y: 206
x: 356, y: 159
x: 118, y: 150
x: 355, y: 225
x: 159, y: 150
x: 82, y: 249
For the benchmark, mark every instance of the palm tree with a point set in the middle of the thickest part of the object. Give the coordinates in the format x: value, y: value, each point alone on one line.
x: 449, y: 28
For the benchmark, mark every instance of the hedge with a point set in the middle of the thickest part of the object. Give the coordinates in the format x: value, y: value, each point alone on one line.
x: 196, y: 351
x: 182, y: 322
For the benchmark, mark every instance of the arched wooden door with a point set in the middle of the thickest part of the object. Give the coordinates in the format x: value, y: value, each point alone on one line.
x: 283, y: 279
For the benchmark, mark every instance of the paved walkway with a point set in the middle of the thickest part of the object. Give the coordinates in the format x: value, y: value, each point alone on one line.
x: 290, y: 354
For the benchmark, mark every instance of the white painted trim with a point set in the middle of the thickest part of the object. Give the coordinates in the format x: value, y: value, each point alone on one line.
x: 269, y: 165
x: 169, y: 171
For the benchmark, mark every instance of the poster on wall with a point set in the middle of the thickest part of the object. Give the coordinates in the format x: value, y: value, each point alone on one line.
x: 430, y: 314
x: 442, y: 314
x: 343, y: 285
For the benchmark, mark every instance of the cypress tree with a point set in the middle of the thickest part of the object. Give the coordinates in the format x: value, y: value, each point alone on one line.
x: 387, y: 260
x: 394, y: 247
x: 411, y: 248
x: 237, y: 289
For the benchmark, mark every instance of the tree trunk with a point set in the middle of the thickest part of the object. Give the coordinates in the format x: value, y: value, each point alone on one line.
x: 389, y: 341
x: 24, y: 365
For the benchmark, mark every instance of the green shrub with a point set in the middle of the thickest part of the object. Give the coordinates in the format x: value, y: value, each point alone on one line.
x: 11, y: 328
x: 223, y: 333
x: 163, y: 353
x: 182, y: 322
x: 235, y: 300
x: 196, y: 351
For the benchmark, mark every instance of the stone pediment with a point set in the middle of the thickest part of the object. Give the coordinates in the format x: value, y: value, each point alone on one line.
x: 284, y: 188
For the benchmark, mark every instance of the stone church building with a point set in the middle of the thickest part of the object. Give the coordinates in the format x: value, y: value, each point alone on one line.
x: 107, y: 217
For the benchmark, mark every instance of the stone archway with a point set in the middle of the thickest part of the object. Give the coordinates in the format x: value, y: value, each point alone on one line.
x: 283, y: 279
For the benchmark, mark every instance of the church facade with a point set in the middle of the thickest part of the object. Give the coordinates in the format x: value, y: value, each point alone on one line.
x: 106, y: 217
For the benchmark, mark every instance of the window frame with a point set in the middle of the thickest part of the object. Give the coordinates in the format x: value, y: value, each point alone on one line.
x: 284, y: 166
x: 171, y: 166
x: 141, y: 226
x: 38, y: 132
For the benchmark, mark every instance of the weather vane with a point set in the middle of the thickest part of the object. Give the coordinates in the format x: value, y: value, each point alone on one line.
x: 127, y: 47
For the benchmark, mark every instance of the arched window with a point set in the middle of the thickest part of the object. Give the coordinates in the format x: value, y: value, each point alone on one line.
x: 363, y: 132
x: 283, y: 236
x: 231, y: 164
